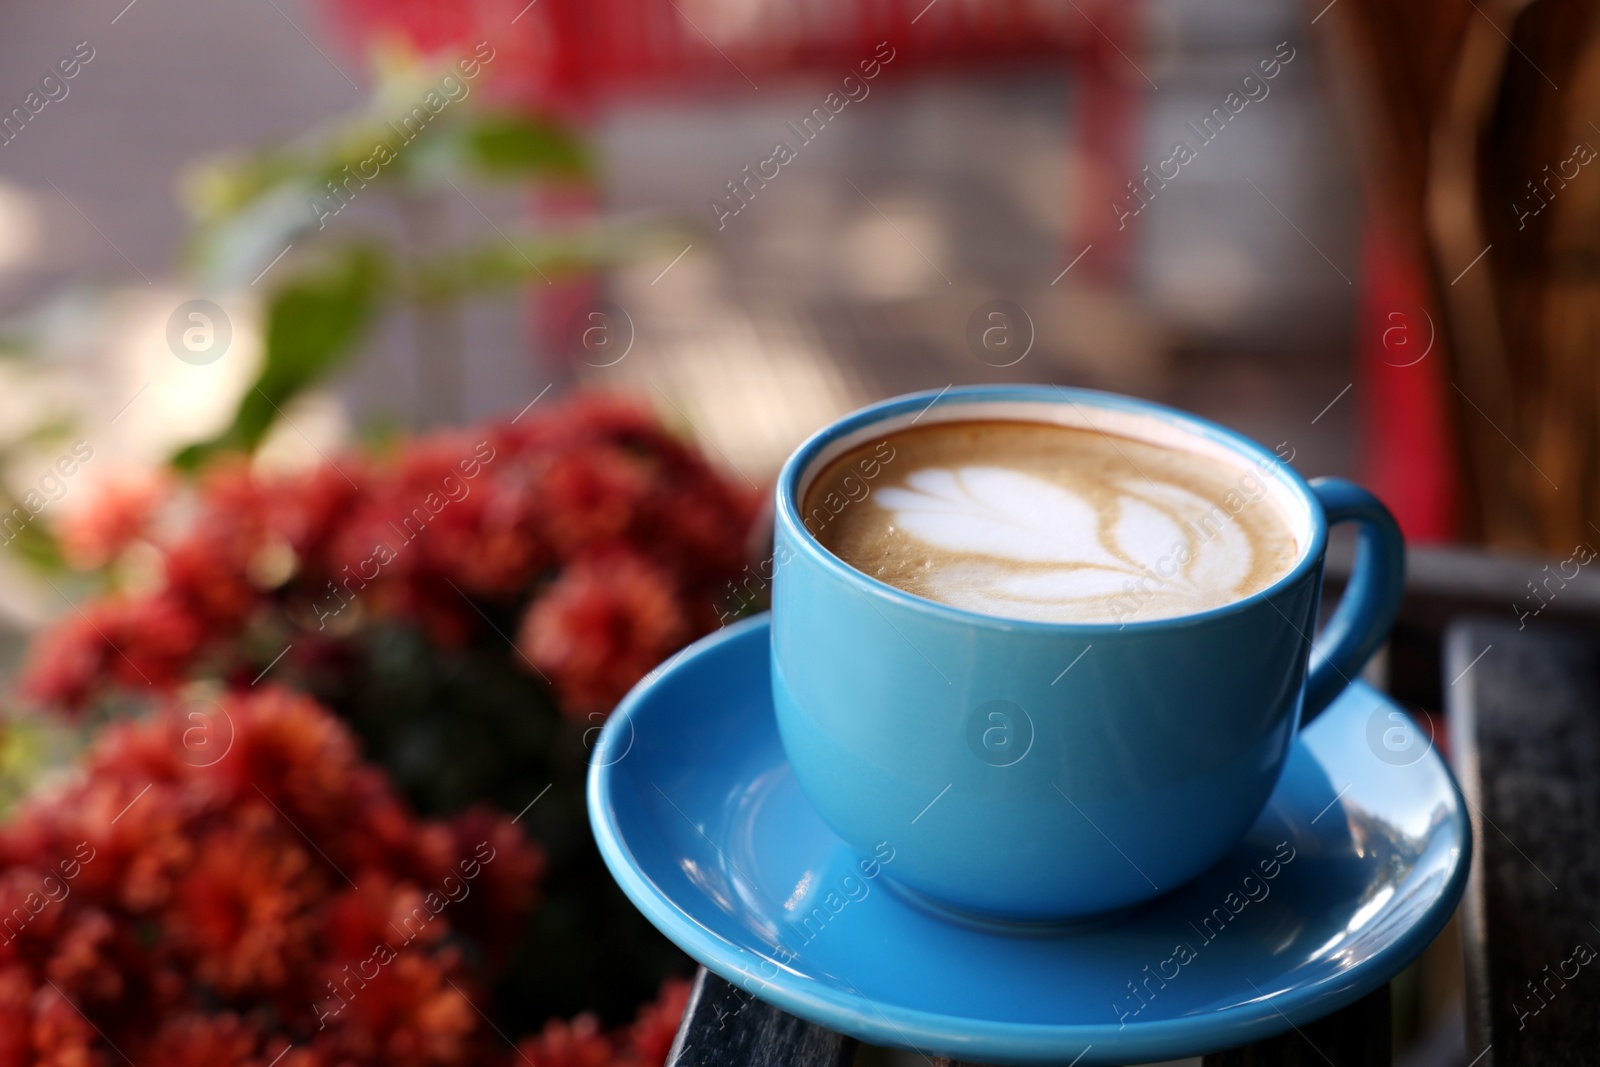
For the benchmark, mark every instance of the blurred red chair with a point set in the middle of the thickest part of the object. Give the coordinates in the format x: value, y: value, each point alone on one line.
x: 1407, y: 447
x: 576, y: 57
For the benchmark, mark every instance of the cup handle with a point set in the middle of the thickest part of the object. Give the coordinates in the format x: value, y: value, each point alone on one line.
x: 1371, y: 599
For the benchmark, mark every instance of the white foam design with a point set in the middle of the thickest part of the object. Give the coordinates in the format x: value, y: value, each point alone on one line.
x: 995, y: 511
x: 1037, y: 550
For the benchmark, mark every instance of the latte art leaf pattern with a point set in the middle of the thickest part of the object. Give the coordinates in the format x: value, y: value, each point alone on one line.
x: 999, y: 512
x: 1031, y: 548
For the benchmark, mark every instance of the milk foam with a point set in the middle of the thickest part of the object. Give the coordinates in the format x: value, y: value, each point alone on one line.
x: 1160, y: 534
x: 1052, y: 523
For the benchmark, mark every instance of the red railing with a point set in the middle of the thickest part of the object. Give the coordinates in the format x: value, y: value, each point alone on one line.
x: 575, y: 57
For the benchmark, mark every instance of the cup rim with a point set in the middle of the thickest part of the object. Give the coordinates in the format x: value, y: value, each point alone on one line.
x: 787, y: 506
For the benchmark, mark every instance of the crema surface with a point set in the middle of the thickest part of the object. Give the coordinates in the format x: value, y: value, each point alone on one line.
x: 1036, y: 521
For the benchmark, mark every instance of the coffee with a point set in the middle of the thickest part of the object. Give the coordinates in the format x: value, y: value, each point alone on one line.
x: 1031, y: 520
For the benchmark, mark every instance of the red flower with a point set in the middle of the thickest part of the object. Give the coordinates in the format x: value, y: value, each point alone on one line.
x: 66, y: 664
x: 601, y: 627
x: 62, y: 1037
x: 590, y: 496
x: 195, y: 1040
x: 120, y: 514
x: 287, y: 752
x: 173, y: 903
x: 456, y: 528
x: 489, y: 857
x: 205, y: 864
x: 141, y: 643
x: 84, y: 961
x: 579, y: 1043
x: 243, y: 912
x: 651, y: 1035
x: 16, y: 1017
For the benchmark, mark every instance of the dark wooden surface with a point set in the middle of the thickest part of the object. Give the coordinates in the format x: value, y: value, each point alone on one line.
x: 724, y: 1026
x: 1525, y: 724
x: 1443, y: 584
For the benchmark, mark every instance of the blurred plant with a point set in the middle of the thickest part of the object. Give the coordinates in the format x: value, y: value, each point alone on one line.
x: 470, y: 603
x: 431, y: 126
x: 371, y: 216
x: 598, y: 537
x: 274, y: 903
x: 464, y: 609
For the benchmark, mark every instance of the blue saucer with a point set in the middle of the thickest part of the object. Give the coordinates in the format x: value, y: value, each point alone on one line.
x: 701, y: 822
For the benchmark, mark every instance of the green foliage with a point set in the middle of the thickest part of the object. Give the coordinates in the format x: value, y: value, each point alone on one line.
x: 343, y: 269
x: 520, y: 259
x: 513, y: 146
x: 23, y: 532
x: 313, y: 324
x: 33, y: 748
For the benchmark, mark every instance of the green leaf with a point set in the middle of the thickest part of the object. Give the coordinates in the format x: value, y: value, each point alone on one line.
x: 313, y: 325
x: 229, y: 251
x: 508, y: 145
x: 522, y: 257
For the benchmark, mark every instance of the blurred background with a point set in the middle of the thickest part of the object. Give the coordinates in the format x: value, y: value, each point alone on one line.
x: 326, y: 235
x: 981, y: 165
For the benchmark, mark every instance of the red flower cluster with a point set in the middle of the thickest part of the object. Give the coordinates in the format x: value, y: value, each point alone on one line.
x: 228, y: 883
x: 277, y: 898
x: 581, y: 1043
x: 611, y: 540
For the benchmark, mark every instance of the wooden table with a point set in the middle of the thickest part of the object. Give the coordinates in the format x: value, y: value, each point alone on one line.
x: 1520, y: 696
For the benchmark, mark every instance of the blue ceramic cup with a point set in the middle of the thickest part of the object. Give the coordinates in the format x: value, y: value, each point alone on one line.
x: 1030, y: 771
